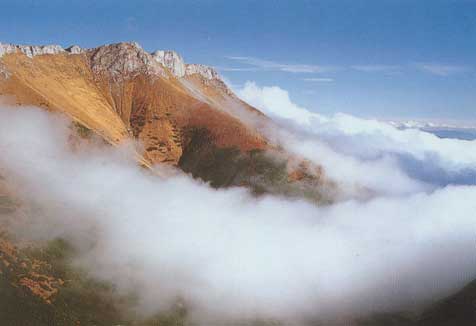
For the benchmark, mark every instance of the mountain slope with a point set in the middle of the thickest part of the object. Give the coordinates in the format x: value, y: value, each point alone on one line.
x: 182, y: 114
x: 121, y: 91
x: 458, y: 309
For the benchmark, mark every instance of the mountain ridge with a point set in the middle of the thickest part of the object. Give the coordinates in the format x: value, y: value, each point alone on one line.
x: 181, y: 114
x: 168, y: 58
x: 138, y: 95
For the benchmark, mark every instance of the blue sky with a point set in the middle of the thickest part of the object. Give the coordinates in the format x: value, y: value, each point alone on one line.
x: 375, y: 58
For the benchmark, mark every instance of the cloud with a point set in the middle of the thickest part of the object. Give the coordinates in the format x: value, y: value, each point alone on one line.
x: 236, y: 69
x: 292, y: 68
x: 261, y: 64
x: 415, y: 153
x: 256, y: 64
x: 273, y: 101
x: 227, y: 254
x: 323, y: 80
x: 377, y: 68
x: 442, y: 69
x: 301, y: 134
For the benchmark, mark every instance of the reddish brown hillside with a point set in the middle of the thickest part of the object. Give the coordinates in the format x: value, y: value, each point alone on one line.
x: 182, y: 114
x: 122, y: 91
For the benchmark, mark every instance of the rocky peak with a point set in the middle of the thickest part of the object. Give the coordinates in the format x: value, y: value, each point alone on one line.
x: 7, y: 48
x: 202, y: 70
x: 172, y: 61
x: 74, y: 49
x: 30, y: 50
x: 124, y: 59
x: 175, y: 63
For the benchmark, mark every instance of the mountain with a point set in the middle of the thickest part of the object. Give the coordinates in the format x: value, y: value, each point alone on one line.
x: 122, y: 91
x: 458, y: 309
x: 182, y: 114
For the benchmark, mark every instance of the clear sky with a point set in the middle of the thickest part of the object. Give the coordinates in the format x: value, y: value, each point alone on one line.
x: 372, y: 58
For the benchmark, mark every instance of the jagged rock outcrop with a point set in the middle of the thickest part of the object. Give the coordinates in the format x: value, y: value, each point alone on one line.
x: 175, y: 63
x: 7, y: 48
x: 74, y: 49
x: 202, y: 70
x: 30, y: 50
x: 136, y: 60
x: 123, y: 60
x: 172, y: 61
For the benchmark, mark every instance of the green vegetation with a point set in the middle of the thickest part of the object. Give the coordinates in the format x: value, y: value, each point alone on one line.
x: 81, y: 300
x: 7, y: 205
x: 82, y: 130
x: 261, y: 172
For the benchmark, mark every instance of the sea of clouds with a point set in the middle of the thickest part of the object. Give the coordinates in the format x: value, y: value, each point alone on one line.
x: 231, y: 256
x: 420, y: 155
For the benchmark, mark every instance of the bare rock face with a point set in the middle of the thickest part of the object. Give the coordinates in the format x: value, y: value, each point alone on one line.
x: 172, y: 61
x: 124, y: 60
x: 30, y: 50
x: 4, y: 72
x: 175, y: 63
x: 7, y: 48
x: 202, y: 70
x: 177, y: 66
x: 74, y: 49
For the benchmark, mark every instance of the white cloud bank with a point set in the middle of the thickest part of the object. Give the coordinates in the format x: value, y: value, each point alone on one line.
x: 342, y: 139
x: 230, y: 255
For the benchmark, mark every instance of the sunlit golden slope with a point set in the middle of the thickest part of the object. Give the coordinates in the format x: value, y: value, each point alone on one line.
x: 121, y: 91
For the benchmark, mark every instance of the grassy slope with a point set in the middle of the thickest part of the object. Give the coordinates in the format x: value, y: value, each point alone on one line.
x: 80, y: 300
x: 258, y: 170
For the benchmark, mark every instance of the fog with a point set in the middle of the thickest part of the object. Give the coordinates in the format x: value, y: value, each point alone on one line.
x: 231, y: 256
x: 412, y: 159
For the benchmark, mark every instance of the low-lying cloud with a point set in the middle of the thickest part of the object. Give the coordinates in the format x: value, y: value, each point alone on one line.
x: 342, y: 138
x: 231, y: 256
